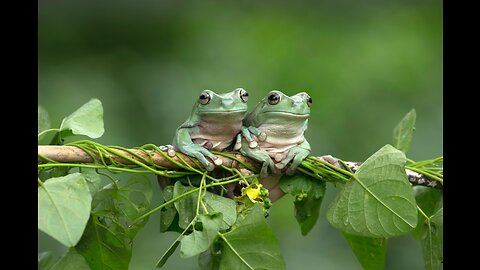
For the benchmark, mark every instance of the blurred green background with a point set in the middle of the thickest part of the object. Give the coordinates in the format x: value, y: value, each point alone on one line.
x: 365, y: 64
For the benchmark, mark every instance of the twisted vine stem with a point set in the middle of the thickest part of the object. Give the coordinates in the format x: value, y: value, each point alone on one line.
x: 150, y: 159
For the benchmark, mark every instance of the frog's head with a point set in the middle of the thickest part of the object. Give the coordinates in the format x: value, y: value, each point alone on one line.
x: 277, y: 103
x: 210, y: 103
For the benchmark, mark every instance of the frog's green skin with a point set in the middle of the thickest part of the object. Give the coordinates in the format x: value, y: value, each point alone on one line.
x: 212, y: 125
x: 284, y: 122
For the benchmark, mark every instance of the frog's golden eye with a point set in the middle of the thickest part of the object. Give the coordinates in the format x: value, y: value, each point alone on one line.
x: 273, y: 98
x: 204, y: 98
x: 243, y: 95
x: 309, y: 101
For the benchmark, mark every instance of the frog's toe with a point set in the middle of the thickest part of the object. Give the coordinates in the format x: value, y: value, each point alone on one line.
x: 252, y: 144
x: 238, y: 142
x: 169, y: 149
x: 210, y: 167
x: 218, y: 161
x: 279, y: 166
x: 171, y: 152
x: 262, y: 136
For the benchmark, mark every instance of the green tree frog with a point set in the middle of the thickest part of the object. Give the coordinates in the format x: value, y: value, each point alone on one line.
x: 213, y: 124
x: 281, y: 122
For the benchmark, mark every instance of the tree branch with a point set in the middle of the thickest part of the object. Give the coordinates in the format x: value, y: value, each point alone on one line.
x: 73, y: 154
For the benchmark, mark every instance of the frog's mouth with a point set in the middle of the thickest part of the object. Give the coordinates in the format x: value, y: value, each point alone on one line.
x: 288, y: 113
x: 222, y: 112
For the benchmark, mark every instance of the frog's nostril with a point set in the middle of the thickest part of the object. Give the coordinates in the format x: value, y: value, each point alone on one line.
x: 227, y: 102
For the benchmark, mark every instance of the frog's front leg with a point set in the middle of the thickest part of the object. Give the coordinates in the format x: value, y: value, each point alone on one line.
x: 261, y: 156
x: 296, y: 154
x: 246, y: 132
x: 183, y: 142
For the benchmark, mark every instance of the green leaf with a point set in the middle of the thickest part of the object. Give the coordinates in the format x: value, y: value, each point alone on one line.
x: 251, y: 244
x: 105, y: 244
x: 93, y: 179
x: 86, y: 120
x: 71, y: 261
x: 227, y: 207
x: 200, y: 240
x: 186, y: 206
x: 167, y: 213
x: 378, y: 201
x: 370, y: 252
x: 108, y: 237
x: 64, y: 205
x: 308, y: 194
x: 432, y: 241
x: 403, y: 132
x: 210, y: 259
x: 43, y: 121
x: 46, y: 260
x: 427, y: 199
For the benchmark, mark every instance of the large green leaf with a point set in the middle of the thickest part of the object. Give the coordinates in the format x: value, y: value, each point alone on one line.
x: 46, y: 260
x: 378, y: 201
x: 64, y: 205
x: 432, y: 240
x: 227, y: 207
x: 370, y: 252
x: 200, y: 240
x: 251, y: 244
x: 167, y: 213
x: 108, y: 238
x: 86, y: 120
x: 186, y: 206
x: 427, y: 199
x: 308, y: 194
x: 105, y: 244
x: 93, y: 179
x: 403, y: 132
x: 71, y: 261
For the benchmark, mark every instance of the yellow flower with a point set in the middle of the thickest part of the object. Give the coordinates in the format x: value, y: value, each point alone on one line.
x: 255, y: 192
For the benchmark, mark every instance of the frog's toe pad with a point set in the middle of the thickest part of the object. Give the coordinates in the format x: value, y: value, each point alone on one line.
x: 252, y: 144
x: 218, y: 161
x: 279, y: 166
x: 237, y: 146
x: 262, y: 137
x: 171, y: 152
x: 210, y: 167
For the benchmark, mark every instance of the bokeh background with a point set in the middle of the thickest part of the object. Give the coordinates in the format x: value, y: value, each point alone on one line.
x: 365, y: 64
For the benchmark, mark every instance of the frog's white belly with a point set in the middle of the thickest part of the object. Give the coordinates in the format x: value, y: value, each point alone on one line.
x: 216, y: 136
x: 280, y: 139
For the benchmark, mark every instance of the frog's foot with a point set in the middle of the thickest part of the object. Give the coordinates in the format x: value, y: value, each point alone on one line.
x: 238, y: 142
x: 169, y: 149
x: 246, y: 134
x: 267, y: 163
x: 331, y: 160
x: 201, y: 154
x: 260, y: 156
x: 296, y: 155
x: 262, y: 136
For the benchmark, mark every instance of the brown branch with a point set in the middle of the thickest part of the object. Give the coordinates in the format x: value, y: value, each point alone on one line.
x: 72, y: 154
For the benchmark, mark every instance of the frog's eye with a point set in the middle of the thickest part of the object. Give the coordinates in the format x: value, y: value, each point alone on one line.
x: 204, y: 98
x: 244, y: 95
x: 273, y: 98
x: 309, y: 101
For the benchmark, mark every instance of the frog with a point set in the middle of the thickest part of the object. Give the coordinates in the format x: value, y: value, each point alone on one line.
x: 213, y: 124
x: 281, y: 121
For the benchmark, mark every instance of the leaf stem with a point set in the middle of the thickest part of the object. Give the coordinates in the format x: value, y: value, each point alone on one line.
x: 234, y: 251
x: 48, y: 130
